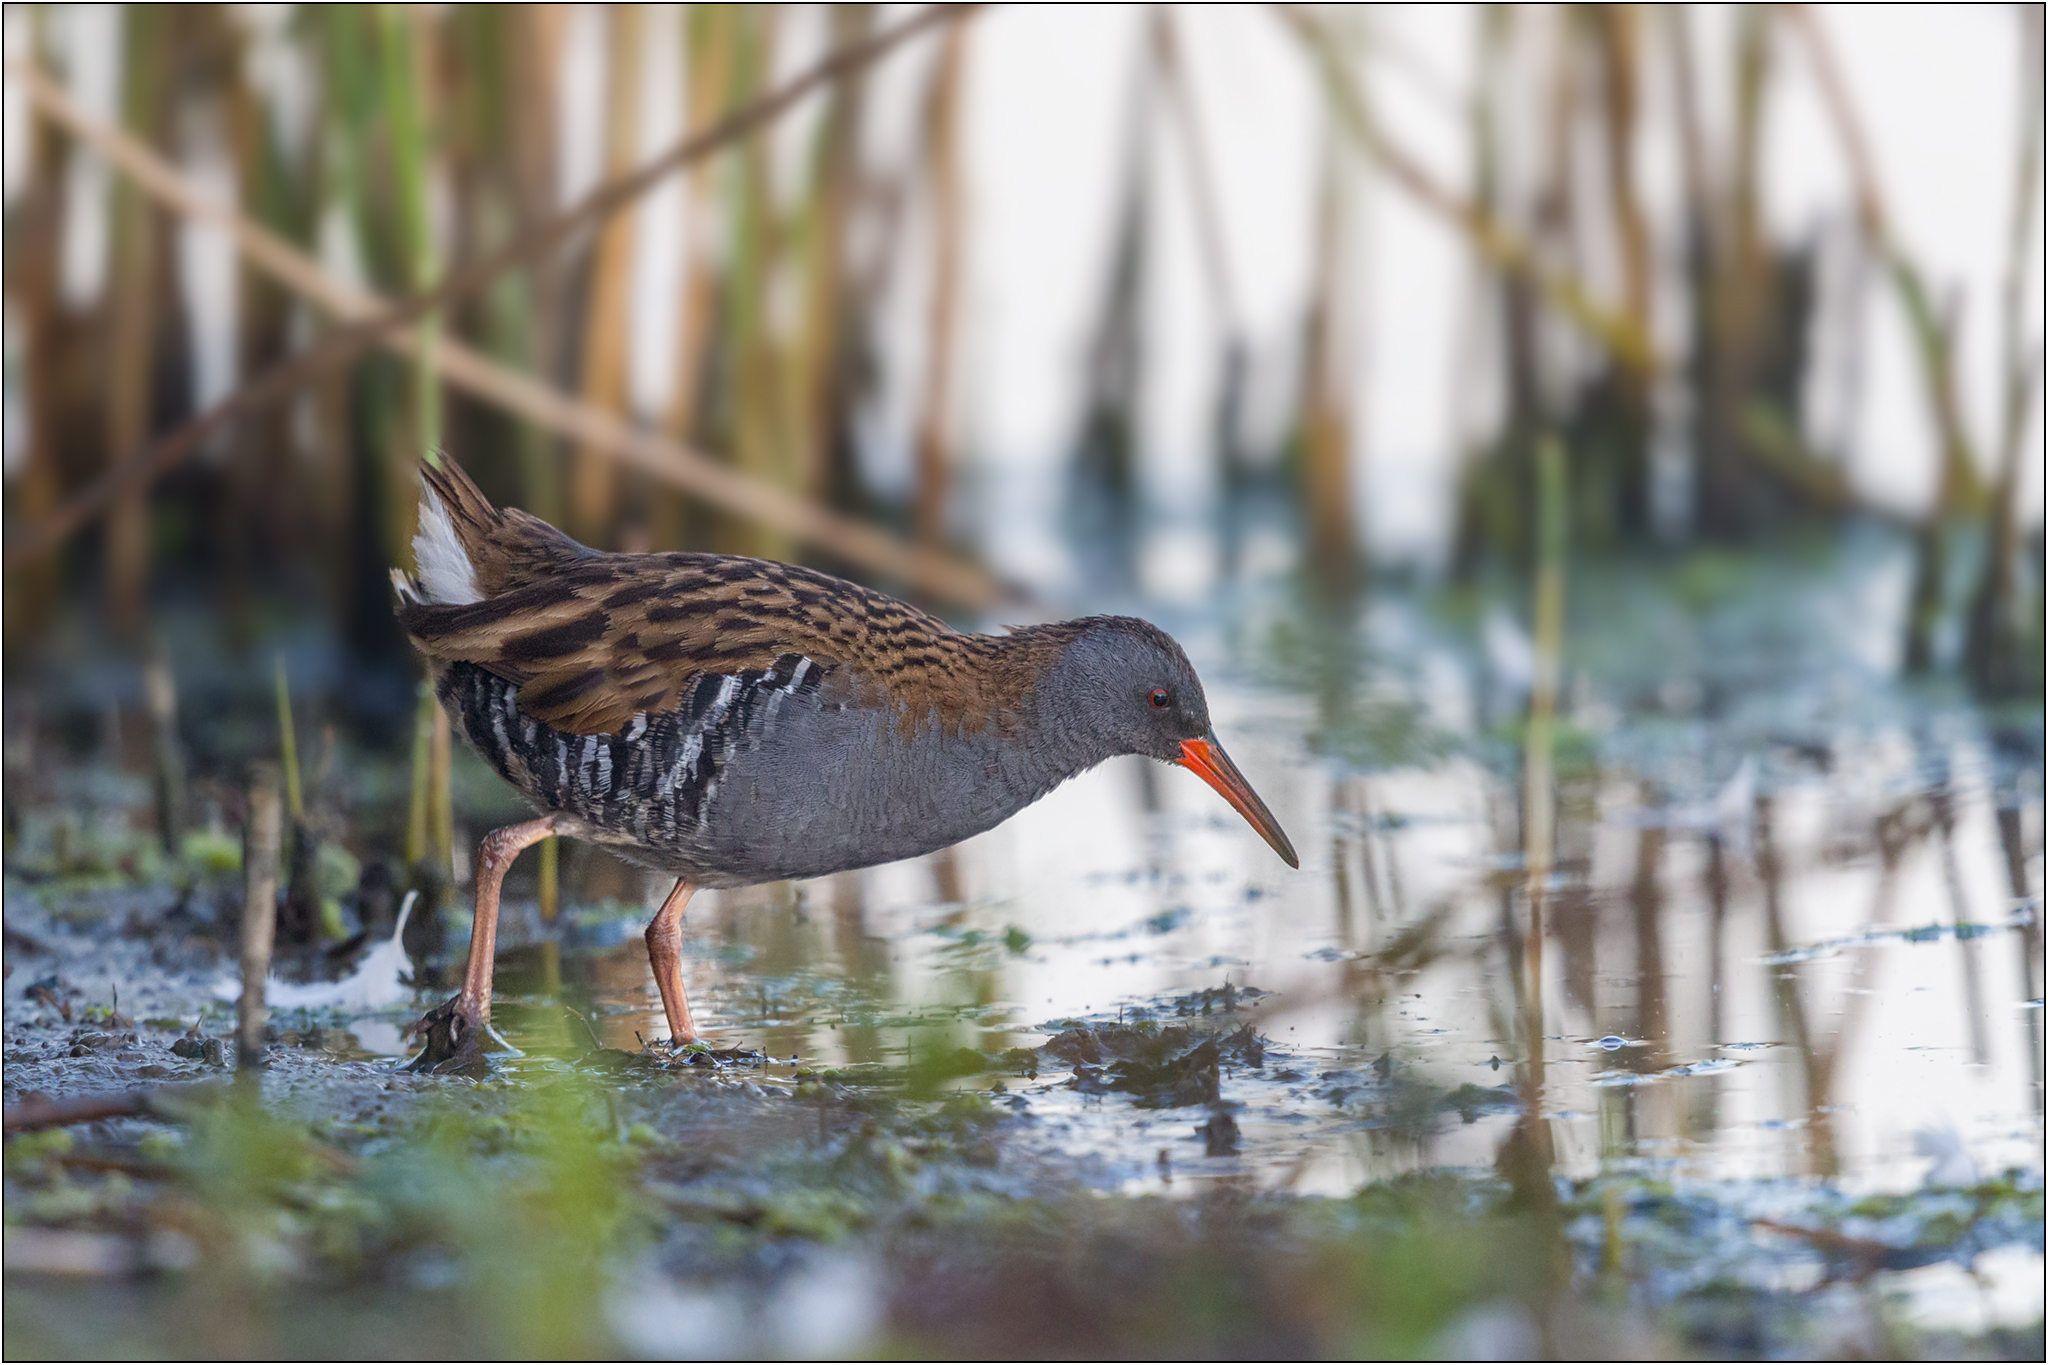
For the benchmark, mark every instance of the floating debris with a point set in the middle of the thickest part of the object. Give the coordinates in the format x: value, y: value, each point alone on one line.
x: 381, y: 981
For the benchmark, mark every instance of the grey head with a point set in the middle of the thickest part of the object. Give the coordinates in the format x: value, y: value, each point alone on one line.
x: 1120, y: 685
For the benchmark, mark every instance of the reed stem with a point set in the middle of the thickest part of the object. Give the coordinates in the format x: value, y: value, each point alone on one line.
x: 441, y: 795
x: 288, y: 745
x: 422, y: 747
x: 263, y: 838
x: 550, y: 877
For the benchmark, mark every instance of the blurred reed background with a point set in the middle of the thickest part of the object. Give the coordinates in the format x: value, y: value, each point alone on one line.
x: 1024, y: 292
x: 1025, y: 309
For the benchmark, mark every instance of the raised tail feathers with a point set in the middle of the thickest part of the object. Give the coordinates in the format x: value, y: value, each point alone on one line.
x: 467, y: 550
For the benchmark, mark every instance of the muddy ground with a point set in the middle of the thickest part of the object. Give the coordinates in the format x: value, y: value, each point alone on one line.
x: 588, y: 1199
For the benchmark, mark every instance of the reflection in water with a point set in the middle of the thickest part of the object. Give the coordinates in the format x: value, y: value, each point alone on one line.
x: 1751, y: 909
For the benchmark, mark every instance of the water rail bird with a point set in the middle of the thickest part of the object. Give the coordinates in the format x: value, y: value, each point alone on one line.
x: 733, y: 721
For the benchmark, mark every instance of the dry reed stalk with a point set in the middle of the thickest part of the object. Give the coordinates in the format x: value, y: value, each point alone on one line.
x: 1616, y: 36
x: 160, y: 699
x: 942, y: 171
x: 864, y: 546
x: 1330, y: 377
x: 754, y: 422
x: 1185, y: 117
x: 405, y: 35
x: 31, y: 264
x: 370, y: 326
x: 822, y: 377
x: 259, y: 910
x: 593, y: 473
x: 532, y: 113
x: 1494, y: 241
x: 709, y: 92
x: 1960, y: 493
x: 133, y: 293
x: 1997, y: 627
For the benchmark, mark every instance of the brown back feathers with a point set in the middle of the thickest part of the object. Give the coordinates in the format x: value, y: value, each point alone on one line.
x: 592, y: 639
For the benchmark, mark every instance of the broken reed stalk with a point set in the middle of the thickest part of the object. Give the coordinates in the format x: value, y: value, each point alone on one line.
x: 160, y: 698
x: 288, y: 746
x: 263, y: 838
x: 1539, y: 779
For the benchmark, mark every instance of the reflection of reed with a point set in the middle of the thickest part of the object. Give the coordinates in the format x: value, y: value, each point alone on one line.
x: 863, y: 959
x: 1820, y: 1057
x: 1646, y: 899
x: 1941, y: 797
x: 2027, y: 915
x: 1705, y: 1115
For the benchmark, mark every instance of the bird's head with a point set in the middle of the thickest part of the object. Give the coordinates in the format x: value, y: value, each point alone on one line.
x: 1135, y: 691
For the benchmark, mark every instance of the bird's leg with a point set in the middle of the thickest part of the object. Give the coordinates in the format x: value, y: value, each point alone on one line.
x: 452, y: 1031
x: 665, y: 955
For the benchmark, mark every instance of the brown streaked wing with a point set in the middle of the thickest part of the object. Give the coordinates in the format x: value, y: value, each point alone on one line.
x: 604, y: 638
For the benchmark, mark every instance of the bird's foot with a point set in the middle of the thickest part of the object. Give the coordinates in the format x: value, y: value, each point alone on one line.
x: 454, y: 1043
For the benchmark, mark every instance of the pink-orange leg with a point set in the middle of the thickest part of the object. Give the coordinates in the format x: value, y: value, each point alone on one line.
x: 665, y: 955
x: 493, y: 857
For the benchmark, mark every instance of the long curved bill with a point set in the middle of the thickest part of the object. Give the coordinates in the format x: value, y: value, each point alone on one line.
x: 1206, y: 759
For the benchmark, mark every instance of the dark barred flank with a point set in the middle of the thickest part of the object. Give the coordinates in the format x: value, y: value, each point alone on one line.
x: 651, y: 782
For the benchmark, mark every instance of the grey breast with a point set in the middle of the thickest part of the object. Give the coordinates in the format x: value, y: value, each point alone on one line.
x: 756, y: 776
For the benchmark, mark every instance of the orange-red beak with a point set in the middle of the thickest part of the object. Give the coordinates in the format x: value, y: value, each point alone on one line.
x: 1206, y: 759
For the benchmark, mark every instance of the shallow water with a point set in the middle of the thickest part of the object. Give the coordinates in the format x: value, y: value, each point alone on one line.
x: 1826, y: 1018
x: 1783, y: 970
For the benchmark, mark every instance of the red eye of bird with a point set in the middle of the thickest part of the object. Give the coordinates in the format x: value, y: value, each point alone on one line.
x: 1160, y: 698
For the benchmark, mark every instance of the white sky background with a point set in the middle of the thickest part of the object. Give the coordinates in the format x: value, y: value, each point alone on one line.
x: 1045, y: 135
x: 1936, y: 85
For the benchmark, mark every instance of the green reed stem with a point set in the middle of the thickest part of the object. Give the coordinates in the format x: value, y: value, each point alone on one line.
x: 422, y: 757
x: 288, y: 744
